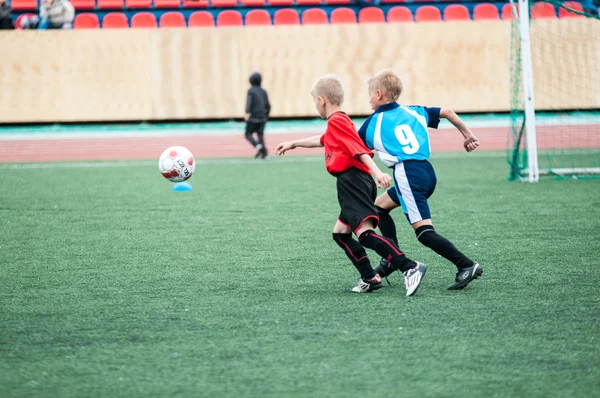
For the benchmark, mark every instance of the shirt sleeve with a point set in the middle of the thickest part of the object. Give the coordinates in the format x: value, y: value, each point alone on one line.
x: 349, y: 138
x: 433, y: 117
x: 322, y: 140
x: 249, y: 102
x: 362, y: 131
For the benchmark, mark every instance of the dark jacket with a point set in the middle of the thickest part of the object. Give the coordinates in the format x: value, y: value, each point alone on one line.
x: 5, y: 20
x: 257, y: 102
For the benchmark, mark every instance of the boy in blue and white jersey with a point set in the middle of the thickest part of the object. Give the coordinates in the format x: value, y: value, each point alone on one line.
x: 399, y: 136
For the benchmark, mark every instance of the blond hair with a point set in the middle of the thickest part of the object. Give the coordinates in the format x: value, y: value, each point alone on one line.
x: 330, y: 87
x: 388, y: 82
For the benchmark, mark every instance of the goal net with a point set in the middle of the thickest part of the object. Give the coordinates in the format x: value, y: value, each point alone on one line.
x: 555, y: 91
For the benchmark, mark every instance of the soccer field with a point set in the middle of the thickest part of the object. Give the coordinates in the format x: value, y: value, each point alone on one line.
x: 112, y: 285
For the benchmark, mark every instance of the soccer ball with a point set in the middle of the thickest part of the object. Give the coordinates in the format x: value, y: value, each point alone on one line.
x: 176, y: 164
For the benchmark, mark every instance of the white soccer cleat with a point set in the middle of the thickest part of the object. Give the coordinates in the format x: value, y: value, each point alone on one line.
x: 368, y: 286
x: 413, y: 278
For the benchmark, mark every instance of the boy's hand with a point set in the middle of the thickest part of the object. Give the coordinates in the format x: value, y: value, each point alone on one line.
x: 471, y: 143
x: 246, y: 117
x: 382, y: 180
x: 284, y: 147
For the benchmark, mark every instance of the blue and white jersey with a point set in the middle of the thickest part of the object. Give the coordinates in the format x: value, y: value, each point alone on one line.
x: 399, y: 133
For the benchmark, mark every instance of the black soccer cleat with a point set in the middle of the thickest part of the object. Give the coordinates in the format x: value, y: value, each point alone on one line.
x: 465, y: 276
x: 384, y: 269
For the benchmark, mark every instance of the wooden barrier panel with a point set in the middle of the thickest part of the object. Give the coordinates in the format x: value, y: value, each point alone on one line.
x: 154, y: 74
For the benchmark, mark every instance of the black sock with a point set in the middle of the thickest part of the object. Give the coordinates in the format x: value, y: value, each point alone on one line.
x: 442, y: 246
x: 386, y: 249
x: 356, y: 253
x: 387, y: 226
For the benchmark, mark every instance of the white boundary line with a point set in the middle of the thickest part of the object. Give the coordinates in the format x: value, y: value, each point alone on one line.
x: 215, y: 161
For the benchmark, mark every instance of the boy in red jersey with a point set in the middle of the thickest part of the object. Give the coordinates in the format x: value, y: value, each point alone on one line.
x: 350, y: 161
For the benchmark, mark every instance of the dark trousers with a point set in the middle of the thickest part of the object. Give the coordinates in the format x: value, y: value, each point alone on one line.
x: 6, y: 23
x: 259, y: 129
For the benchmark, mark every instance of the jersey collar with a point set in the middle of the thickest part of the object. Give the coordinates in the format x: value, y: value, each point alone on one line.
x: 387, y: 107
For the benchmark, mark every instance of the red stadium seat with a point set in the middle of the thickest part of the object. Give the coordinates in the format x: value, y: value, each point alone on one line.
x: 314, y: 16
x: 115, y: 20
x: 308, y: 2
x: 253, y: 3
x: 223, y: 3
x: 111, y: 4
x: 456, y: 12
x: 229, y: 18
x: 337, y: 2
x: 258, y: 17
x: 195, y: 3
x: 138, y: 4
x: 485, y: 11
x: 19, y: 5
x: 143, y: 20
x: 343, y: 16
x: 281, y: 2
x: 20, y: 17
x: 201, y: 19
x: 167, y: 3
x: 400, y: 14
x: 371, y: 15
x: 507, y: 11
x: 172, y: 19
x: 83, y: 4
x: 542, y: 11
x: 86, y: 20
x: 428, y: 14
x: 286, y: 16
x: 564, y: 13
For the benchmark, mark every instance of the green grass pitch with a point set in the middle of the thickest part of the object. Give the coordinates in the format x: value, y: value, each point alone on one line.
x: 111, y: 285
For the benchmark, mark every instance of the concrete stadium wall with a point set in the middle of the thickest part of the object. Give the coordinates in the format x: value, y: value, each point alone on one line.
x: 154, y: 74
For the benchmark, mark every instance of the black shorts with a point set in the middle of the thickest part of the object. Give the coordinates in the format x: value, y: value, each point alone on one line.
x: 356, y: 193
x: 258, y: 128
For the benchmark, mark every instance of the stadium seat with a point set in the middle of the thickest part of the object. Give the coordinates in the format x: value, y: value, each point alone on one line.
x: 195, y: 3
x: 286, y: 16
x: 343, y: 16
x: 400, y: 14
x: 229, y: 18
x: 143, y: 20
x: 253, y: 3
x: 167, y: 3
x: 392, y: 1
x: 281, y: 2
x: 223, y: 3
x: 20, y: 17
x: 371, y: 15
x: 564, y: 13
x: 456, y: 12
x: 308, y: 3
x: 542, y: 11
x: 314, y: 16
x: 337, y: 2
x: 115, y: 20
x: 428, y: 14
x: 111, y: 4
x: 485, y: 11
x: 507, y: 12
x: 172, y: 19
x: 258, y: 17
x: 83, y: 4
x: 21, y: 5
x: 201, y: 19
x: 138, y: 4
x: 86, y: 20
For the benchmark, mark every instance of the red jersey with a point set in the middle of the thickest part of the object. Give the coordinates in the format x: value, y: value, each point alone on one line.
x: 343, y: 145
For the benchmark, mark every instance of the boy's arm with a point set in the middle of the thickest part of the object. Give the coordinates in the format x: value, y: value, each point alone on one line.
x: 471, y: 142
x: 381, y: 179
x: 268, y: 104
x: 311, y: 142
x: 248, y: 106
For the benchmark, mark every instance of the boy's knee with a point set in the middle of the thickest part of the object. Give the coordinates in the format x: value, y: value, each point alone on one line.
x: 425, y: 234
x: 381, y: 210
x: 341, y: 238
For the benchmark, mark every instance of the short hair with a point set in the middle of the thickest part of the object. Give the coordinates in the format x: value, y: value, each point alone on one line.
x: 330, y: 87
x: 388, y: 82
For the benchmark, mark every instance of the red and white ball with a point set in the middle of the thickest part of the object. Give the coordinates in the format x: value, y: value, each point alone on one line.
x: 176, y: 164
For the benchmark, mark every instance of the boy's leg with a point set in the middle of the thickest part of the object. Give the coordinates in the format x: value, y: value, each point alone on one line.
x: 250, y: 129
x: 260, y: 132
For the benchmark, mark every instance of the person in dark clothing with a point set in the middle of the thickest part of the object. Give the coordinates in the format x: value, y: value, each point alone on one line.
x: 257, y: 114
x: 5, y: 19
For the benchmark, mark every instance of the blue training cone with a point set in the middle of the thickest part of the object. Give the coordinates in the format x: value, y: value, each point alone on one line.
x: 182, y: 187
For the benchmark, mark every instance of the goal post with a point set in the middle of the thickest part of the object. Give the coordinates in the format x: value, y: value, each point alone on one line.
x: 555, y: 91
